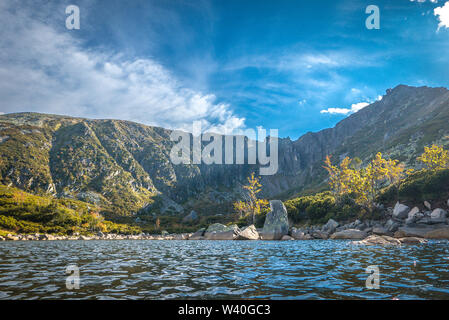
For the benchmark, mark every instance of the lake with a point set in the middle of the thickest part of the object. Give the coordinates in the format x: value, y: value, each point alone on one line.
x: 142, y: 269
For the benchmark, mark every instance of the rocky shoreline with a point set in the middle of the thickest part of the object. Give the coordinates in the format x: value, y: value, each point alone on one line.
x: 401, y: 225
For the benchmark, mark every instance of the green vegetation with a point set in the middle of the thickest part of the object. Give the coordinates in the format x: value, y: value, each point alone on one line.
x: 21, y: 212
x: 355, y: 190
x: 418, y: 187
x: 321, y: 207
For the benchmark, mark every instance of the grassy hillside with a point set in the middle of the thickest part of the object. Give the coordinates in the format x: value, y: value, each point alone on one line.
x: 21, y: 212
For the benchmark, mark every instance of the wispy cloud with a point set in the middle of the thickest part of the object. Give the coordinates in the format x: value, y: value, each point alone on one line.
x: 354, y: 108
x: 45, y: 69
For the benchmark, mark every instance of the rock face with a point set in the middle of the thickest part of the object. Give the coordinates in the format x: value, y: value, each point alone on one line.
x: 249, y: 233
x: 349, y: 234
x: 400, y: 211
x: 276, y: 222
x: 219, y: 231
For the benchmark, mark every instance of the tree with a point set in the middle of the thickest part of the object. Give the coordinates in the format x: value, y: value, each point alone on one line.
x: 435, y: 158
x: 380, y: 173
x: 158, y: 223
x: 251, y: 205
x: 362, y: 184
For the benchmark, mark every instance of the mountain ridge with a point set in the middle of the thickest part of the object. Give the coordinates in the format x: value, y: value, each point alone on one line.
x: 124, y: 165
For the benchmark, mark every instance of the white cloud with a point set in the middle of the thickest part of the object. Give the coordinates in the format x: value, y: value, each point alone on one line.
x: 354, y: 108
x: 443, y: 15
x: 45, y: 70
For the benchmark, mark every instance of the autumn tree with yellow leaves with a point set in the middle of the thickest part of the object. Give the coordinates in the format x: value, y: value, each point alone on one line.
x: 251, y: 205
x: 435, y: 158
x: 363, y: 184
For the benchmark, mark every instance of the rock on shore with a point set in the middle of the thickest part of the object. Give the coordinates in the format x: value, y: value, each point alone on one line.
x: 276, y: 223
x: 349, y: 234
x: 249, y: 233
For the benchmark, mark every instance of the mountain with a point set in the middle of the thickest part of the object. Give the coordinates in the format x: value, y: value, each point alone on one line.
x: 125, y: 167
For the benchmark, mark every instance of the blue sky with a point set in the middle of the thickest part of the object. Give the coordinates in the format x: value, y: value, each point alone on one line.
x: 230, y: 64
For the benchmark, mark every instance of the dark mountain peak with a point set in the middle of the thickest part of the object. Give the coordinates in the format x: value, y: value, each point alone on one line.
x: 402, y: 90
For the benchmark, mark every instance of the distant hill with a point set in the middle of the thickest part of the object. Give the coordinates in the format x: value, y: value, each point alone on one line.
x: 125, y: 167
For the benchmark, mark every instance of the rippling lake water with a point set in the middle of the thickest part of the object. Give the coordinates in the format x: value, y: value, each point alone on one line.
x: 135, y: 269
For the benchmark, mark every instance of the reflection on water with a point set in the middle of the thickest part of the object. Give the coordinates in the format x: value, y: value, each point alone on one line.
x: 133, y: 269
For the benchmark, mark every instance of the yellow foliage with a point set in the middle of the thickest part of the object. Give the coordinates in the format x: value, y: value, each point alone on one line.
x: 435, y: 158
x: 251, y: 205
x: 362, y: 184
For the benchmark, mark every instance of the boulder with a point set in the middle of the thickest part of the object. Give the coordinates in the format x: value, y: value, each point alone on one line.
x: 440, y: 233
x: 2, y: 239
x: 249, y: 233
x: 413, y: 216
x: 286, y: 237
x: 438, y: 216
x: 218, y: 231
x: 412, y: 240
x: 413, y: 212
x: 218, y: 227
x: 380, y: 231
x: 298, y: 234
x: 181, y: 236
x: 226, y: 235
x: 374, y: 240
x: 427, y: 205
x: 320, y: 235
x: 391, y: 225
x: 418, y: 231
x: 199, y: 235
x: 164, y: 233
x: 330, y: 226
x: 11, y: 237
x: 400, y: 211
x: 349, y: 234
x: 424, y: 220
x: 276, y: 222
x: 192, y: 216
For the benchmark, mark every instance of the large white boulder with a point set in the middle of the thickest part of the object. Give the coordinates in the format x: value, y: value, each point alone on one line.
x: 249, y: 233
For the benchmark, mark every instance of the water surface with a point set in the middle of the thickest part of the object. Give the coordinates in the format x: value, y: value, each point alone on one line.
x: 139, y: 269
